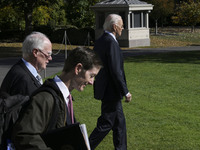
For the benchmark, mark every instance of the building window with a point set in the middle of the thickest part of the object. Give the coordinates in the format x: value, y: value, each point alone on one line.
x: 138, y: 19
x: 144, y: 19
x: 131, y: 20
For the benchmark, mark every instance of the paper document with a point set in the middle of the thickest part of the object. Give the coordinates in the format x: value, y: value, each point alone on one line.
x: 85, y: 135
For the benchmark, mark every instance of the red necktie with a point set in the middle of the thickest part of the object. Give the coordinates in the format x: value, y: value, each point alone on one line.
x: 70, y: 108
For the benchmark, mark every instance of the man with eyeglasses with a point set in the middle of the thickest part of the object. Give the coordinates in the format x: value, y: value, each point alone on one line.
x: 23, y: 77
x: 110, y: 86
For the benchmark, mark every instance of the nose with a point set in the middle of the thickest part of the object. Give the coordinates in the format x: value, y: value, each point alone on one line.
x: 91, y: 81
x: 50, y: 58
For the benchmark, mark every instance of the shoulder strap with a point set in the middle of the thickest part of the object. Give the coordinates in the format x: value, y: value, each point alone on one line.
x: 52, y: 121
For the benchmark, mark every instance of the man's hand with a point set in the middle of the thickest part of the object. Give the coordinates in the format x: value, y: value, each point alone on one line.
x: 128, y: 97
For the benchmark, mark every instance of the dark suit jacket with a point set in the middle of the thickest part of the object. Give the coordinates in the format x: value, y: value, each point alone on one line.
x: 19, y: 80
x: 110, y: 83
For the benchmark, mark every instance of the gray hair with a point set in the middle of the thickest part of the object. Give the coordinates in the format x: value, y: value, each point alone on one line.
x: 110, y: 20
x: 36, y: 40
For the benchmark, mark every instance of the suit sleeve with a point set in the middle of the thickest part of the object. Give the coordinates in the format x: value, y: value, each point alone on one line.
x: 115, y: 66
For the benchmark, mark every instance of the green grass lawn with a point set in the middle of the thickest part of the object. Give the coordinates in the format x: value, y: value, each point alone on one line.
x: 165, y: 111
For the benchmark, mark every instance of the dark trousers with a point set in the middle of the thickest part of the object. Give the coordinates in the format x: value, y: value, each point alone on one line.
x: 112, y: 118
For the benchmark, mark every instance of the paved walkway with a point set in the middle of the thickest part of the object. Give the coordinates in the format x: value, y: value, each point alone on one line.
x: 57, y: 63
x: 53, y: 67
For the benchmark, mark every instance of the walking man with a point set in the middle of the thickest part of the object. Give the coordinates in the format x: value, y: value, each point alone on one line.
x: 110, y: 86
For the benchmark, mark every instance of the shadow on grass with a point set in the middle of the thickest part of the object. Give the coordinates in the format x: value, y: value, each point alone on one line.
x: 129, y: 55
x: 192, y: 57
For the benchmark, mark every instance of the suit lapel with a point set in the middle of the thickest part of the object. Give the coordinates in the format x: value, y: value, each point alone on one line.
x: 36, y: 82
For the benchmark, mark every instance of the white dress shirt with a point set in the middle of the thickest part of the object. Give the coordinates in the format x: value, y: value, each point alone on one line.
x: 63, y: 88
x: 112, y: 35
x: 31, y: 68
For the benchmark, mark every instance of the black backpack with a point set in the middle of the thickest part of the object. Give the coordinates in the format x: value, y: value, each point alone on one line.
x: 10, y: 109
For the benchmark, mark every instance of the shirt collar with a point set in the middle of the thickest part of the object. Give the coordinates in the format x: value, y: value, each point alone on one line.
x: 30, y: 67
x: 111, y: 35
x: 63, y: 88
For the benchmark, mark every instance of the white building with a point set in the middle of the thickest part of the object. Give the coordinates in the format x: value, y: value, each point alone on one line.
x: 135, y: 15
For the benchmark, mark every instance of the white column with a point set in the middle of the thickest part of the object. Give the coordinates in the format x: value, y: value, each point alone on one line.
x: 142, y: 22
x: 133, y: 19
x: 147, y: 19
x: 129, y: 20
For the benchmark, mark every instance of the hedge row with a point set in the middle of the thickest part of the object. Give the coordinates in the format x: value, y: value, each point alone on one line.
x: 74, y: 36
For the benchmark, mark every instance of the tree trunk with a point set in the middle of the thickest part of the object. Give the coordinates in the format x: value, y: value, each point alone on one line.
x: 192, y: 29
x: 28, y: 11
x: 156, y: 27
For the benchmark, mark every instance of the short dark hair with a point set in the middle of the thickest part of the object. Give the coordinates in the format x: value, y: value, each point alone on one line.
x: 87, y: 57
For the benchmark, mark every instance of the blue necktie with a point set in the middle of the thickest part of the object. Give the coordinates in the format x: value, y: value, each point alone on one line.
x: 39, y: 78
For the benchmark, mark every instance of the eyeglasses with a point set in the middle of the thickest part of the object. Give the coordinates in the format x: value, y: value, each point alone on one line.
x: 122, y: 26
x: 46, y: 55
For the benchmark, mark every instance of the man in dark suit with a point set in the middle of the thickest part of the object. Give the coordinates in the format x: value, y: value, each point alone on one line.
x: 23, y: 78
x: 110, y: 86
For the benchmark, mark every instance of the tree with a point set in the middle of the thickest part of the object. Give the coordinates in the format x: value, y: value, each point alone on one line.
x: 187, y: 13
x: 58, y: 15
x: 161, y: 9
x: 27, y: 8
x: 53, y: 15
x: 79, y: 13
x: 10, y: 19
x: 43, y: 19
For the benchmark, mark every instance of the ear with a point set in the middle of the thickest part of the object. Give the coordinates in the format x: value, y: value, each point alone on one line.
x: 78, y: 68
x: 114, y: 27
x: 35, y: 52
